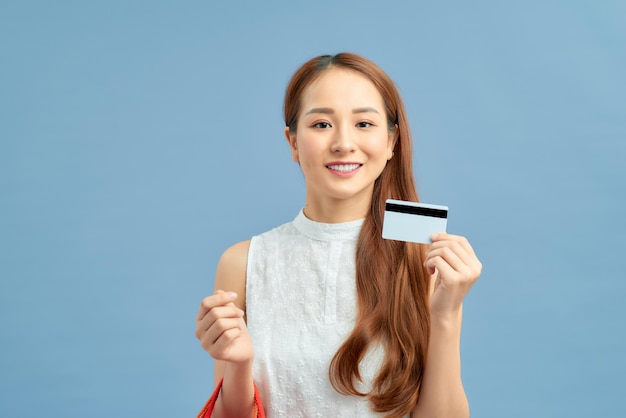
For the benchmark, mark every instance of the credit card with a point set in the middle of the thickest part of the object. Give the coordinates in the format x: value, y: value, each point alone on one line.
x: 412, y: 221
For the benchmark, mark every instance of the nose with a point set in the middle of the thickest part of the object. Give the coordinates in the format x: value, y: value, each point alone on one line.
x: 344, y: 140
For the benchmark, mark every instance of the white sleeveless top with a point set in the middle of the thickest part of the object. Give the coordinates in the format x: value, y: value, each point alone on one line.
x: 301, y: 305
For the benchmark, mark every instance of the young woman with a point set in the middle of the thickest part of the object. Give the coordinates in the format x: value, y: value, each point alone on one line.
x: 322, y: 317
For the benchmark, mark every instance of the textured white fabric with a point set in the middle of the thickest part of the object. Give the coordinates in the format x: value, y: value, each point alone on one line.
x: 301, y: 305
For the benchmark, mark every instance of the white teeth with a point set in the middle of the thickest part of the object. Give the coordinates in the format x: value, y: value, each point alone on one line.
x: 344, y: 167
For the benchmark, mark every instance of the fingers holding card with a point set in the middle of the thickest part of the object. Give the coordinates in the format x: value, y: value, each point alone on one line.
x: 452, y: 259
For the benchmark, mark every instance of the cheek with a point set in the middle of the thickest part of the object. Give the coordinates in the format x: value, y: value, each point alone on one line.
x: 307, y: 150
x: 378, y: 146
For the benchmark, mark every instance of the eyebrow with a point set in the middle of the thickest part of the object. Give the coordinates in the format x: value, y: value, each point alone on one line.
x: 329, y: 111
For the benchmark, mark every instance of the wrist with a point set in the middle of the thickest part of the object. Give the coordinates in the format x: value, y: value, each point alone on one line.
x: 448, y: 320
x: 240, y: 368
x: 236, y: 397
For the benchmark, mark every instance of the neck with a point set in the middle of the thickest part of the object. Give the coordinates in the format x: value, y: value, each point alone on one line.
x: 337, y: 210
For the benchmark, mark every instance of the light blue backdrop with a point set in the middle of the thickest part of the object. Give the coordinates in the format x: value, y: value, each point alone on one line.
x: 139, y: 139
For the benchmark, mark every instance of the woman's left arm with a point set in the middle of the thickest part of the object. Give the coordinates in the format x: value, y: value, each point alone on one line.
x: 454, y: 268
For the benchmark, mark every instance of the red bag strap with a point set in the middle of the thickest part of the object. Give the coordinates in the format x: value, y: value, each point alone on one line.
x: 207, y: 411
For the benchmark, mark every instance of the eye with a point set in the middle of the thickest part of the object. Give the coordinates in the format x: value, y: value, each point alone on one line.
x: 321, y: 125
x: 364, y: 124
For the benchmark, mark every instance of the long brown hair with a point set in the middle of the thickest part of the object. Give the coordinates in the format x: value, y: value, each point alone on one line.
x: 391, y: 281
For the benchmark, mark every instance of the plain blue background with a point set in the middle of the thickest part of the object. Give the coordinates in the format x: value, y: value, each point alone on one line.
x: 139, y: 139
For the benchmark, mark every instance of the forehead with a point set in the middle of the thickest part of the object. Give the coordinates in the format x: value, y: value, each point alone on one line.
x: 342, y: 88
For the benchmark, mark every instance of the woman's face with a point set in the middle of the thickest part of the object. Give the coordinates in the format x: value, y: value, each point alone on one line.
x: 342, y: 140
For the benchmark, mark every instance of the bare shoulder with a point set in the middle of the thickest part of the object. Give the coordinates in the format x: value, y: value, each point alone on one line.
x: 235, y: 257
x: 231, y: 271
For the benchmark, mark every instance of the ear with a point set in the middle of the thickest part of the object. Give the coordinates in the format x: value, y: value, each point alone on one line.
x: 391, y: 144
x: 291, y: 139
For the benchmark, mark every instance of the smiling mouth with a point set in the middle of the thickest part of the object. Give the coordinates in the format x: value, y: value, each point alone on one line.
x: 344, y: 168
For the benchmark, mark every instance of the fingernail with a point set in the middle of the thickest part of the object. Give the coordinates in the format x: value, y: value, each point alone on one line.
x: 231, y: 295
x: 434, y: 237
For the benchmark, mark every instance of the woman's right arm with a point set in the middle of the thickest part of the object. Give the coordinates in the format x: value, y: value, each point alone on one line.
x: 222, y: 331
